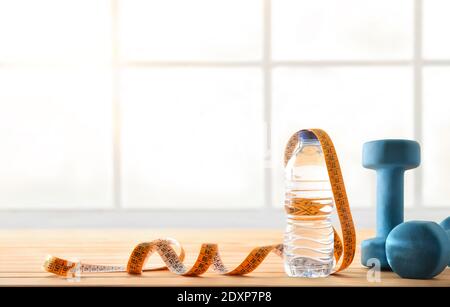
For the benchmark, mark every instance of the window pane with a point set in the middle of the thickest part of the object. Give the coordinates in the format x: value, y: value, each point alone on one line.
x: 55, y: 30
x: 353, y: 105
x: 191, y: 30
x: 192, y: 138
x: 436, y: 143
x: 436, y: 29
x: 342, y: 29
x: 55, y: 131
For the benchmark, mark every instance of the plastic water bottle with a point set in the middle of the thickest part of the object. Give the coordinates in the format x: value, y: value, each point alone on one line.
x: 309, y: 238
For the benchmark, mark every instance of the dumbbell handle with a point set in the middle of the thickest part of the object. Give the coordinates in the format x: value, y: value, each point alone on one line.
x: 389, y: 199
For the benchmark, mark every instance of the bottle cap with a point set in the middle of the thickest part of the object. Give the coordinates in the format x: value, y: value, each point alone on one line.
x: 305, y: 135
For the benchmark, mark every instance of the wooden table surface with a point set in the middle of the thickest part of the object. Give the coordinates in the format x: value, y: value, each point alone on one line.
x: 22, y: 253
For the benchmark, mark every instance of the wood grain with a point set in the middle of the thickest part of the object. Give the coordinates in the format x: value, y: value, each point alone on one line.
x: 22, y: 253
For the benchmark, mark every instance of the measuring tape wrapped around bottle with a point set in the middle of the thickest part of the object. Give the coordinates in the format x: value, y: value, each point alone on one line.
x: 209, y: 252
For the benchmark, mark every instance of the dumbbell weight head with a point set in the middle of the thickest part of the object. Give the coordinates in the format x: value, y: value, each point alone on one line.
x: 446, y: 223
x: 391, y: 153
x: 418, y: 249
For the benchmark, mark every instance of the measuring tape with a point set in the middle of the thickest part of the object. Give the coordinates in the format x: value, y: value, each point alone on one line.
x: 209, y: 252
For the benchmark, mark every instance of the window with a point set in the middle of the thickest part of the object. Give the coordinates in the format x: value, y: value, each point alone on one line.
x: 114, y: 104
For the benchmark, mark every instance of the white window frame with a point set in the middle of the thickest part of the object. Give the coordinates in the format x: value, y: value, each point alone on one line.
x: 265, y: 216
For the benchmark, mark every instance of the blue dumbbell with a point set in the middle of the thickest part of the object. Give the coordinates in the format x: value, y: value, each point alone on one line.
x: 418, y: 249
x: 390, y: 158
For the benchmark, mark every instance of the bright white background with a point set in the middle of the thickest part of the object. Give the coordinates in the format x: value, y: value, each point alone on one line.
x: 175, y: 113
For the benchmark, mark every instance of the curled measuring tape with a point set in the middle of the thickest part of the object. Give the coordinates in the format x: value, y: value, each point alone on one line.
x: 209, y: 252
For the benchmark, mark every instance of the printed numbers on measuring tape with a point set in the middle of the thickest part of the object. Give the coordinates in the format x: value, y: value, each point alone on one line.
x: 209, y: 252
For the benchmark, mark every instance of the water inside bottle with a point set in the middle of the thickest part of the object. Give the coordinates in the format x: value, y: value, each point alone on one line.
x: 309, y: 237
